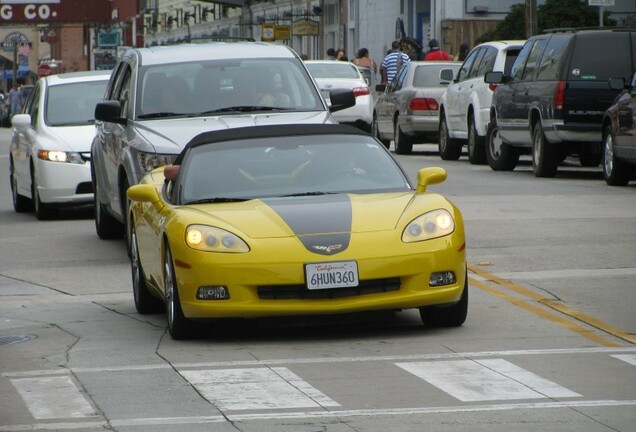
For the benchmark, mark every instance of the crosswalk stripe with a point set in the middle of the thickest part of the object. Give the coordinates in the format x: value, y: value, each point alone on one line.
x: 484, y: 380
x: 53, y: 397
x: 627, y: 358
x: 256, y: 388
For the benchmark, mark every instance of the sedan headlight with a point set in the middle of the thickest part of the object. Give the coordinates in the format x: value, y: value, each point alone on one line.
x: 212, y: 239
x: 60, y: 156
x: 434, y: 224
x: 149, y: 161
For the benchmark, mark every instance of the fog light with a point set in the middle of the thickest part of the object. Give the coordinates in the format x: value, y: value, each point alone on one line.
x: 213, y: 293
x: 442, y: 278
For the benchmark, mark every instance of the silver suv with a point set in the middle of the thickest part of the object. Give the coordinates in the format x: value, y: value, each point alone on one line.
x: 464, y: 109
x: 159, y: 98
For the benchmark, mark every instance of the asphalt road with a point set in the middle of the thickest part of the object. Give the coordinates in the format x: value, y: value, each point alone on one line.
x: 549, y: 344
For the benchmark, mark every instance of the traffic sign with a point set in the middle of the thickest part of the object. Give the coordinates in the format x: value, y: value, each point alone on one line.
x: 44, y: 70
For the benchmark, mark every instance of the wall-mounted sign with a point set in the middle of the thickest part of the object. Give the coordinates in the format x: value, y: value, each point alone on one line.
x: 267, y: 32
x: 282, y: 32
x: 108, y: 38
x: 46, y: 11
x: 306, y: 28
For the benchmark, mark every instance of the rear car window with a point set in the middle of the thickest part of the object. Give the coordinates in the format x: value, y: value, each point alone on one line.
x: 487, y: 61
x: 511, y: 56
x: 553, y: 58
x: 600, y: 56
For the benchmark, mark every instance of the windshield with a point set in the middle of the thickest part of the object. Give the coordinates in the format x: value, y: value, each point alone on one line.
x: 288, y: 166
x: 73, y: 104
x: 225, y: 87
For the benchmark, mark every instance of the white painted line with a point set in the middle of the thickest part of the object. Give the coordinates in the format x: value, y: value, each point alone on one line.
x: 53, y: 397
x: 256, y: 388
x: 323, y: 360
x: 627, y: 358
x: 101, y: 425
x: 568, y: 274
x: 494, y: 379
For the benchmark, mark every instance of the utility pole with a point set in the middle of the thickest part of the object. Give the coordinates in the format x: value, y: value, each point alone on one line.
x: 532, y: 26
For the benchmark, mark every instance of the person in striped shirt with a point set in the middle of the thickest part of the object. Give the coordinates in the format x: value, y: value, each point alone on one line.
x: 392, y: 63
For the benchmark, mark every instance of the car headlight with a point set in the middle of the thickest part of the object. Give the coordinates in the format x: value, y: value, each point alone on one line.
x: 212, y: 239
x: 434, y: 224
x: 150, y: 161
x: 60, y: 156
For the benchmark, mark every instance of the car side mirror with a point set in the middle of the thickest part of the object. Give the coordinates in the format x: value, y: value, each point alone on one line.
x: 429, y: 176
x: 446, y: 75
x: 109, y: 111
x: 494, y: 77
x: 341, y: 99
x: 380, y: 88
x: 143, y: 193
x: 21, y: 120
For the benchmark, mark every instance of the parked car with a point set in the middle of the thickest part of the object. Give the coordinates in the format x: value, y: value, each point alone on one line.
x: 551, y: 104
x: 235, y: 228
x: 50, y: 145
x: 619, y: 134
x: 333, y: 74
x: 464, y: 109
x: 158, y: 98
x: 5, y: 111
x: 407, y: 109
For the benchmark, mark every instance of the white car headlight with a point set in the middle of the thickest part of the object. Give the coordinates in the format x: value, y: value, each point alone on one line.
x: 212, y: 239
x: 434, y: 224
x: 60, y: 156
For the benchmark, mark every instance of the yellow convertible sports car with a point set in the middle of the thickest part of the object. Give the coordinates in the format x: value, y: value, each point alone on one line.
x: 293, y: 220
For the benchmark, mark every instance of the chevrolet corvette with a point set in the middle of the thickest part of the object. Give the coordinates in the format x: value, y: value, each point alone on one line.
x: 292, y: 220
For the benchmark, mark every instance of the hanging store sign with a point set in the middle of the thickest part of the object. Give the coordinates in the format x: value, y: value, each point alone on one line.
x: 46, y: 11
x: 306, y: 28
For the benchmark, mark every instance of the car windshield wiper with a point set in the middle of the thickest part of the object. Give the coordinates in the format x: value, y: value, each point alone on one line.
x: 216, y: 200
x: 309, y: 194
x: 160, y: 115
x: 241, y: 108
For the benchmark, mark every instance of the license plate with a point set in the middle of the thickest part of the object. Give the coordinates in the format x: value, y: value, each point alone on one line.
x: 331, y: 275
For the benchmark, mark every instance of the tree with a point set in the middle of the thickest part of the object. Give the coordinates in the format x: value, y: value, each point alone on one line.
x: 552, y: 14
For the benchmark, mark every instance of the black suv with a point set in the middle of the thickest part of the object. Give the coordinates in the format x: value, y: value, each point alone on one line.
x: 552, y: 103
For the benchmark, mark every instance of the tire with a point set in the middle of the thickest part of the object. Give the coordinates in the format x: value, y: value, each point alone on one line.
x: 476, y: 147
x: 179, y: 326
x: 106, y: 225
x: 500, y: 156
x: 145, y: 303
x: 403, y: 142
x: 42, y: 210
x: 447, y: 316
x: 21, y: 203
x: 449, y: 148
x: 615, y: 171
x: 545, y: 158
x: 376, y: 133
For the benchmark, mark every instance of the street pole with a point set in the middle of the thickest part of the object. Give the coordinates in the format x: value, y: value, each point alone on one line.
x: 15, y: 64
x: 531, y: 18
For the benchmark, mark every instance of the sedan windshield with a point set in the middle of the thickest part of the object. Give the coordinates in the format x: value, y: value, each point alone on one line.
x: 288, y: 166
x: 221, y: 87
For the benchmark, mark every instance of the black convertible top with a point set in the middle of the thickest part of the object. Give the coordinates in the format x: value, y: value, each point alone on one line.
x: 268, y: 131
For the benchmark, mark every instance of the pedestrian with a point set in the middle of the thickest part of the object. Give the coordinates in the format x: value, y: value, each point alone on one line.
x: 435, y: 53
x: 15, y: 100
x: 392, y: 63
x: 411, y: 48
x: 364, y: 61
x: 331, y: 54
x: 341, y: 55
x: 463, y: 52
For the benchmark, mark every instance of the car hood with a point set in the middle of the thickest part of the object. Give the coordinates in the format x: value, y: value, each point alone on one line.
x: 171, y: 135
x: 73, y: 138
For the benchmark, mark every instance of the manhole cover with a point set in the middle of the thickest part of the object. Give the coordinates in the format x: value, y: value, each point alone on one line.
x: 12, y: 340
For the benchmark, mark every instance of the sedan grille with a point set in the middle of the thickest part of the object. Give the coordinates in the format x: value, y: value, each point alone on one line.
x: 300, y: 292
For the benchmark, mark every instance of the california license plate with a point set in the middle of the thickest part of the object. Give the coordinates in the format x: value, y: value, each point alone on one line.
x: 331, y: 275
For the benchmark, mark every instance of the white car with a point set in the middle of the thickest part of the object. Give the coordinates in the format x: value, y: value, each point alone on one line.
x: 464, y: 109
x: 51, y: 142
x: 334, y: 74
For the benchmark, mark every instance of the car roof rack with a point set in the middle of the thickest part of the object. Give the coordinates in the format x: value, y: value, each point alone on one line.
x: 576, y: 29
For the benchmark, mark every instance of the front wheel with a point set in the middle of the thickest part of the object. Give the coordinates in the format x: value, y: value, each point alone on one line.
x: 447, y: 316
x: 545, y: 159
x: 106, y: 225
x: 500, y: 156
x: 615, y: 171
x: 145, y: 302
x: 179, y: 326
x: 403, y: 142
x: 449, y: 148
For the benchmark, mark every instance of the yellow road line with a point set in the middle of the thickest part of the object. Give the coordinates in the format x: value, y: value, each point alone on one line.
x: 558, y: 319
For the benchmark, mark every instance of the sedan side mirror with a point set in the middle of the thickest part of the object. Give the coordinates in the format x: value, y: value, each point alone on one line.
x: 446, y: 75
x: 494, y: 77
x: 341, y: 99
x: 429, y: 176
x: 109, y: 111
x: 21, y: 120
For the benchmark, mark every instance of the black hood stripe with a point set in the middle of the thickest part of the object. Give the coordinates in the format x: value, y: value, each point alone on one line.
x: 322, y: 223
